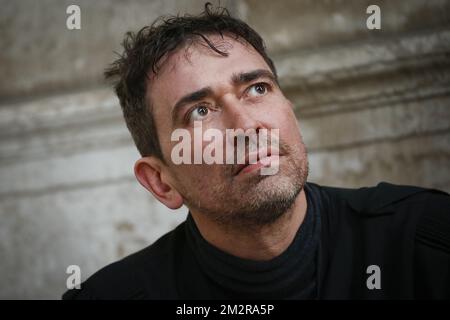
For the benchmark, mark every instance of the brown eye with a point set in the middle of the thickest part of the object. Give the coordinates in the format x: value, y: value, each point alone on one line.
x: 258, y: 89
x: 199, y: 112
x: 202, y: 111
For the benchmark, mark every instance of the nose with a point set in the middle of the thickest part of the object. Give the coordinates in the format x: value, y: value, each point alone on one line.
x: 246, y: 124
x: 241, y: 116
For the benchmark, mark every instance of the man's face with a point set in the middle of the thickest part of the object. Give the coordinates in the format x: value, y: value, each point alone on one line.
x: 237, y: 91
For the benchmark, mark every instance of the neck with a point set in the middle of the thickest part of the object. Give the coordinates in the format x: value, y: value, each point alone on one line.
x: 263, y: 243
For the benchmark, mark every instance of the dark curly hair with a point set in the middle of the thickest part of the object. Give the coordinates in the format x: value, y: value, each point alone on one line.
x: 144, y: 49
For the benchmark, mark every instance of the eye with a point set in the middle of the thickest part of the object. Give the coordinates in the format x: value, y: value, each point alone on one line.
x: 257, y: 90
x: 199, y: 112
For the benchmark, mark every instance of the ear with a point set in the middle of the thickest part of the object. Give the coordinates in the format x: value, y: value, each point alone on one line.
x: 148, y: 171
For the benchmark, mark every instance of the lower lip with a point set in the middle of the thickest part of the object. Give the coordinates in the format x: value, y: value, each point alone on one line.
x: 265, y: 162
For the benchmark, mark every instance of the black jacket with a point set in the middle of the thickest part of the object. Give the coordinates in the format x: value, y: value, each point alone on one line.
x: 403, y: 231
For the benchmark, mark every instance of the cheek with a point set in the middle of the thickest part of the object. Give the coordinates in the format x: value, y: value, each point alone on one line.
x: 198, y: 180
x: 288, y: 125
x: 197, y: 173
x: 281, y: 115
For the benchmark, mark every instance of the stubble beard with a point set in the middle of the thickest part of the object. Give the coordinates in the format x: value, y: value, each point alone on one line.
x: 257, y: 200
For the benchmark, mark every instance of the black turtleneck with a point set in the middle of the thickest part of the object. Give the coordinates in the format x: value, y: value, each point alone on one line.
x: 183, y: 265
x: 398, y: 228
x: 291, y: 275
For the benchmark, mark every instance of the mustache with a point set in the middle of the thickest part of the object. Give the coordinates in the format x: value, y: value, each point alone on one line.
x: 280, y: 147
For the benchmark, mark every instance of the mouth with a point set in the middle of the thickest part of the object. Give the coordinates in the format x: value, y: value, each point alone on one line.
x: 270, y: 156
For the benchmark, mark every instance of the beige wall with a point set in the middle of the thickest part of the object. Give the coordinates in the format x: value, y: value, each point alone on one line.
x: 373, y: 105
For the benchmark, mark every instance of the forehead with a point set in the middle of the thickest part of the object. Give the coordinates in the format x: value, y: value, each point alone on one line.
x: 196, y: 66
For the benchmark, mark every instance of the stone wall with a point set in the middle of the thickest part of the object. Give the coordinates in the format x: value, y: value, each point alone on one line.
x: 373, y: 105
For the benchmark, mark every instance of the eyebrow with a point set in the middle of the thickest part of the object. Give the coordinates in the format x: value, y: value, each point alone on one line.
x: 190, y: 98
x: 246, y: 77
x: 236, y: 79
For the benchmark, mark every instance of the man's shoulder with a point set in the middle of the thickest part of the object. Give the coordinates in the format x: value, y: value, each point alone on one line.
x: 421, y: 213
x: 403, y: 229
x: 388, y: 198
x: 142, y: 275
